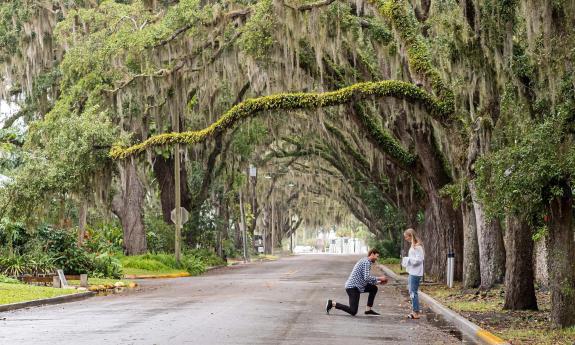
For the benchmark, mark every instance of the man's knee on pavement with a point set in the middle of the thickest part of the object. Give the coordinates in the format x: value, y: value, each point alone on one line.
x: 353, y: 310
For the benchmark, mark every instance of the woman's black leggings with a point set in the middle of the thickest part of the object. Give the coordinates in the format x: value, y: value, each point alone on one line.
x: 353, y: 294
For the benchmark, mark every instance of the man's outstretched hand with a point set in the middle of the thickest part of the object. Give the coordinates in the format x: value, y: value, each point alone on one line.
x: 382, y: 280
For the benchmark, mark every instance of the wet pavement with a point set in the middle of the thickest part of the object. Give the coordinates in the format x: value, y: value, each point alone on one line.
x: 279, y: 302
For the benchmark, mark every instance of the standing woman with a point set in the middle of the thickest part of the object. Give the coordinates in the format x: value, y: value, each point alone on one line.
x: 413, y: 264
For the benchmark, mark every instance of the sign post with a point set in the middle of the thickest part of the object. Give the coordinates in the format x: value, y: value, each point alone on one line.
x: 177, y: 186
x: 63, y: 281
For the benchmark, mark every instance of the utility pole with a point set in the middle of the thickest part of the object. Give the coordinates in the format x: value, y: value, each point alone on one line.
x: 265, y: 238
x: 219, y: 233
x: 178, y: 196
x: 290, y: 232
x: 243, y: 225
x: 353, y: 239
x: 273, y: 226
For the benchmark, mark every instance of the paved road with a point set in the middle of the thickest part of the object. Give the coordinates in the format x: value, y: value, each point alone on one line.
x: 279, y: 302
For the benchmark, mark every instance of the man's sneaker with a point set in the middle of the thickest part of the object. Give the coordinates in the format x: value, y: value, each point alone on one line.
x: 328, y: 306
x: 371, y: 312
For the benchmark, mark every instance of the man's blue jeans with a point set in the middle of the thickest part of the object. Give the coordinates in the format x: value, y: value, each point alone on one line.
x: 413, y: 285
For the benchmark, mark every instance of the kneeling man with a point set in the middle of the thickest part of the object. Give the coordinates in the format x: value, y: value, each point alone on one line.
x: 360, y: 281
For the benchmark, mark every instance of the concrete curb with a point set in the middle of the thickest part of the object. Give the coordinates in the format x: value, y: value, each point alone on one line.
x: 47, y: 301
x: 214, y: 268
x: 478, y: 334
x: 158, y: 276
x: 186, y: 274
x: 251, y: 262
x: 172, y: 275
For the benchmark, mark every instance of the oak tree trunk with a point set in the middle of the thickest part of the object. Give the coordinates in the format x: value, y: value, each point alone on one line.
x: 164, y: 173
x: 128, y: 206
x: 519, y: 277
x: 82, y: 221
x: 471, y: 268
x: 491, y: 247
x: 561, y: 258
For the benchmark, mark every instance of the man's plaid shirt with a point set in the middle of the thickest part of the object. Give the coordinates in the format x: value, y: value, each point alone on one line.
x: 360, y: 277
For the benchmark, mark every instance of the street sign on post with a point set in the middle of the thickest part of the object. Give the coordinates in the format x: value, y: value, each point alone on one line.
x: 184, y: 214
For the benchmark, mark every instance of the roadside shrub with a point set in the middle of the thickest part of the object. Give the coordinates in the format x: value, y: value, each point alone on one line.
x: 29, y: 264
x: 13, y: 236
x: 229, y: 249
x: 39, y: 262
x: 387, y: 248
x: 193, y: 265
x: 52, y: 248
x: 390, y: 261
x: 56, y: 240
x: 7, y: 280
x: 208, y: 257
x: 139, y: 262
x: 193, y: 261
x: 168, y: 260
x: 13, y: 265
x: 61, y: 245
x: 105, y: 238
x: 106, y: 266
x: 74, y: 261
x: 160, y: 236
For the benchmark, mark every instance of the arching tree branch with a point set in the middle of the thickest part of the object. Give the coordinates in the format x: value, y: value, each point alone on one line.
x: 354, y: 93
x: 307, y: 7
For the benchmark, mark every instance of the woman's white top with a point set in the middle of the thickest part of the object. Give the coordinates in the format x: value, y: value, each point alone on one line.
x: 413, y: 263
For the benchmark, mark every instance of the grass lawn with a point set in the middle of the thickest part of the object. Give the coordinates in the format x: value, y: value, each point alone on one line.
x: 393, y: 264
x: 517, y: 327
x: 129, y: 271
x: 13, y: 293
x: 149, y: 264
x: 101, y: 281
x: 193, y: 262
x: 266, y: 257
x: 396, y: 268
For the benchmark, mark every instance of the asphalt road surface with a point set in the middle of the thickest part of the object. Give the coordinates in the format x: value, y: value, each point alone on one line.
x: 279, y: 302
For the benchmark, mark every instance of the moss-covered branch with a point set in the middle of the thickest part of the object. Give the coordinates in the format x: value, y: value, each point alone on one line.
x: 406, y: 25
x: 307, y: 7
x: 391, y: 146
x: 225, y: 17
x: 360, y: 159
x: 293, y: 101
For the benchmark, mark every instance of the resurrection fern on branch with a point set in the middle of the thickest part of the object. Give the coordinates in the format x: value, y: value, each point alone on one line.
x: 292, y: 101
x: 405, y: 23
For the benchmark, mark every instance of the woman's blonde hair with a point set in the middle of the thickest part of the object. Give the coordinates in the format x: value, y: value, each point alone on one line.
x: 415, y: 238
